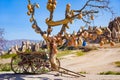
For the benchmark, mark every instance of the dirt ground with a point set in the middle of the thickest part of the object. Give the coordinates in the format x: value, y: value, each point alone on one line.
x: 92, y: 63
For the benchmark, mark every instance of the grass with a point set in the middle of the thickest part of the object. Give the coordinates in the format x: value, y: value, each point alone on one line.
x: 5, y: 56
x: 83, y: 73
x: 67, y: 52
x: 117, y: 63
x: 5, y: 67
x: 110, y: 73
x: 63, y: 53
x: 80, y: 53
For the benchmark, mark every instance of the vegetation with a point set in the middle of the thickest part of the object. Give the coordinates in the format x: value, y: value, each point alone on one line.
x: 5, y: 67
x: 67, y: 52
x: 117, y: 63
x: 83, y: 73
x: 80, y: 53
x: 63, y: 53
x: 7, y: 56
x: 110, y: 73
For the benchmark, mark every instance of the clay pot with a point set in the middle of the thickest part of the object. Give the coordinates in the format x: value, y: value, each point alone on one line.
x: 31, y: 10
x: 71, y: 21
x: 47, y: 19
x: 99, y: 31
x: 94, y: 37
x: 31, y: 19
x: 68, y: 7
x: 37, y: 6
x: 49, y: 6
x: 86, y: 34
x: 90, y: 36
x: 34, y: 26
x: 28, y: 13
x: 101, y: 43
x: 29, y: 6
x: 112, y: 43
x: 45, y: 36
x: 80, y: 16
x: 92, y: 17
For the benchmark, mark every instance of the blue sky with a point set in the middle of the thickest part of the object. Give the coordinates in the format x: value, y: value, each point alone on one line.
x: 16, y: 25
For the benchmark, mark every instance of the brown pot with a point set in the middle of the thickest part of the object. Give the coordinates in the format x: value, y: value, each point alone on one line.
x: 37, y: 6
x: 112, y: 43
x: 101, y: 43
x: 80, y: 16
x: 34, y: 26
x: 31, y: 19
x: 86, y: 34
x: 45, y: 36
x: 49, y: 6
x: 28, y: 13
x: 99, y: 31
x: 92, y: 17
x: 29, y: 6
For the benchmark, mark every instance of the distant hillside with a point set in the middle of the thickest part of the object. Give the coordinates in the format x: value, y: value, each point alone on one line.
x: 10, y: 43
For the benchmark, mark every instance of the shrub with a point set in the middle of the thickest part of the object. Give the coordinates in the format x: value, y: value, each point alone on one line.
x: 117, y: 63
x: 5, y: 67
x: 83, y: 73
x: 80, y: 53
x: 110, y: 73
x: 7, y: 56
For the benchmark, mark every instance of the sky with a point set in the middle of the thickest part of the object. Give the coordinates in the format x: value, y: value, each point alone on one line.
x: 15, y: 21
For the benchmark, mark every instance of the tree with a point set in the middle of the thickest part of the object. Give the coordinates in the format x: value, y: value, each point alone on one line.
x: 86, y: 14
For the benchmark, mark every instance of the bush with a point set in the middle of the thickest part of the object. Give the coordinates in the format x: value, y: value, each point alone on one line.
x: 117, y: 63
x: 5, y: 67
x: 80, y: 53
x: 7, y: 56
x: 83, y: 73
x: 110, y: 73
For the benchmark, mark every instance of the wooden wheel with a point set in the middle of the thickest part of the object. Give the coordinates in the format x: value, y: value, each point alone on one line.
x: 16, y: 64
x: 41, y: 65
x: 29, y: 65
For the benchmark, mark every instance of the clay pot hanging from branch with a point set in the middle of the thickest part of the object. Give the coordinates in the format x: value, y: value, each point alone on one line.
x: 102, y: 43
x: 92, y: 17
x: 99, y: 31
x: 80, y: 16
x: 37, y: 6
x: 68, y: 7
x: 51, y: 5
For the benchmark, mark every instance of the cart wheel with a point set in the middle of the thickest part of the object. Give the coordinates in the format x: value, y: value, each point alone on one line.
x: 29, y: 66
x: 38, y: 64
x: 16, y: 64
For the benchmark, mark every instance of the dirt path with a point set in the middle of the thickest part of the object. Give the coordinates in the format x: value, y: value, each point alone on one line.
x: 94, y: 62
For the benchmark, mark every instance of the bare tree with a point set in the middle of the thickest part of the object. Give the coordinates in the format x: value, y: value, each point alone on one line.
x: 86, y: 14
